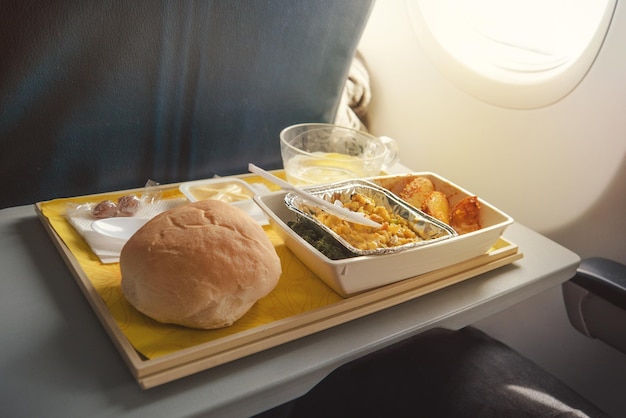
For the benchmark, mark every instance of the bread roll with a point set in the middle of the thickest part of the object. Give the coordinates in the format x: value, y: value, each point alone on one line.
x: 202, y: 265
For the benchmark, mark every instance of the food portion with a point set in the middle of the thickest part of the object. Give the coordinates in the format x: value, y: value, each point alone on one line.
x: 416, y: 191
x: 228, y: 192
x: 437, y: 205
x: 395, y: 231
x: 421, y: 193
x: 202, y: 265
x: 126, y: 205
x: 105, y: 209
x: 465, y: 216
x: 401, y: 226
x: 320, y: 240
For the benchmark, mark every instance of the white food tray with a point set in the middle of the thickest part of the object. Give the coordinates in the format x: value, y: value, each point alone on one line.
x: 355, y: 275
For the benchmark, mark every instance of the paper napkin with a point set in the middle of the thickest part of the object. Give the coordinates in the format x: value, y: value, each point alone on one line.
x: 108, y: 248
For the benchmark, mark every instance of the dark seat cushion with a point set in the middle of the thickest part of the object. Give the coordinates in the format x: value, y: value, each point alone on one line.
x: 440, y: 373
x: 105, y: 95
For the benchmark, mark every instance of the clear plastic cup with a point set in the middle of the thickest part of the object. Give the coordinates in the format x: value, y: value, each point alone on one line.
x: 318, y: 153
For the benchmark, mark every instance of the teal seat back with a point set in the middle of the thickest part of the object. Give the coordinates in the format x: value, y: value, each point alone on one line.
x: 105, y: 95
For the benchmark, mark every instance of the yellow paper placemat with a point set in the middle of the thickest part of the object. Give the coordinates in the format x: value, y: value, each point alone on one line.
x: 298, y: 290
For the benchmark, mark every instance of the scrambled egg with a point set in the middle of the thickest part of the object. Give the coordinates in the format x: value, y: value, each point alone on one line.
x: 395, y: 230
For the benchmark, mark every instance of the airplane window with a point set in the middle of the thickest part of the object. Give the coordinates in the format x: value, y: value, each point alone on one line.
x: 512, y: 53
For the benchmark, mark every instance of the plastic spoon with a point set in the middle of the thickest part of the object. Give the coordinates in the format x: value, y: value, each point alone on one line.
x: 339, y: 211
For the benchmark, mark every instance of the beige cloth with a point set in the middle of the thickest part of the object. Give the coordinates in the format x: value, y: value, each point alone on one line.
x: 356, y: 97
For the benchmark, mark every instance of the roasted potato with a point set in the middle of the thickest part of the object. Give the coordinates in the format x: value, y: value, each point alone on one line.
x: 465, y: 216
x: 421, y: 193
x: 437, y: 205
x: 417, y: 191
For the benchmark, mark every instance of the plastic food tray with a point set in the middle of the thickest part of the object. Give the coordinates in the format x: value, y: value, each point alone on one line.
x: 192, y: 355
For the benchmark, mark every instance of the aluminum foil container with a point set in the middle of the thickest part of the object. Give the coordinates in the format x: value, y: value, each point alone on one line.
x: 427, y: 227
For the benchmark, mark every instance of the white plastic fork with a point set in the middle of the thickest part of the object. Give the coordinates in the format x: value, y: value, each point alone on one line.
x: 343, y: 213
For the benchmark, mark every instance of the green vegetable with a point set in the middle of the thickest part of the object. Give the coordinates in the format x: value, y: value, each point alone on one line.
x: 324, y: 243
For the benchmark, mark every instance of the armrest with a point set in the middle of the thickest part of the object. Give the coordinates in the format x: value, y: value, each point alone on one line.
x: 603, y: 277
x: 595, y: 301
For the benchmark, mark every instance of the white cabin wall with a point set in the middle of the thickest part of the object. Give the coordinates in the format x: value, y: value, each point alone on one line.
x: 560, y: 170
